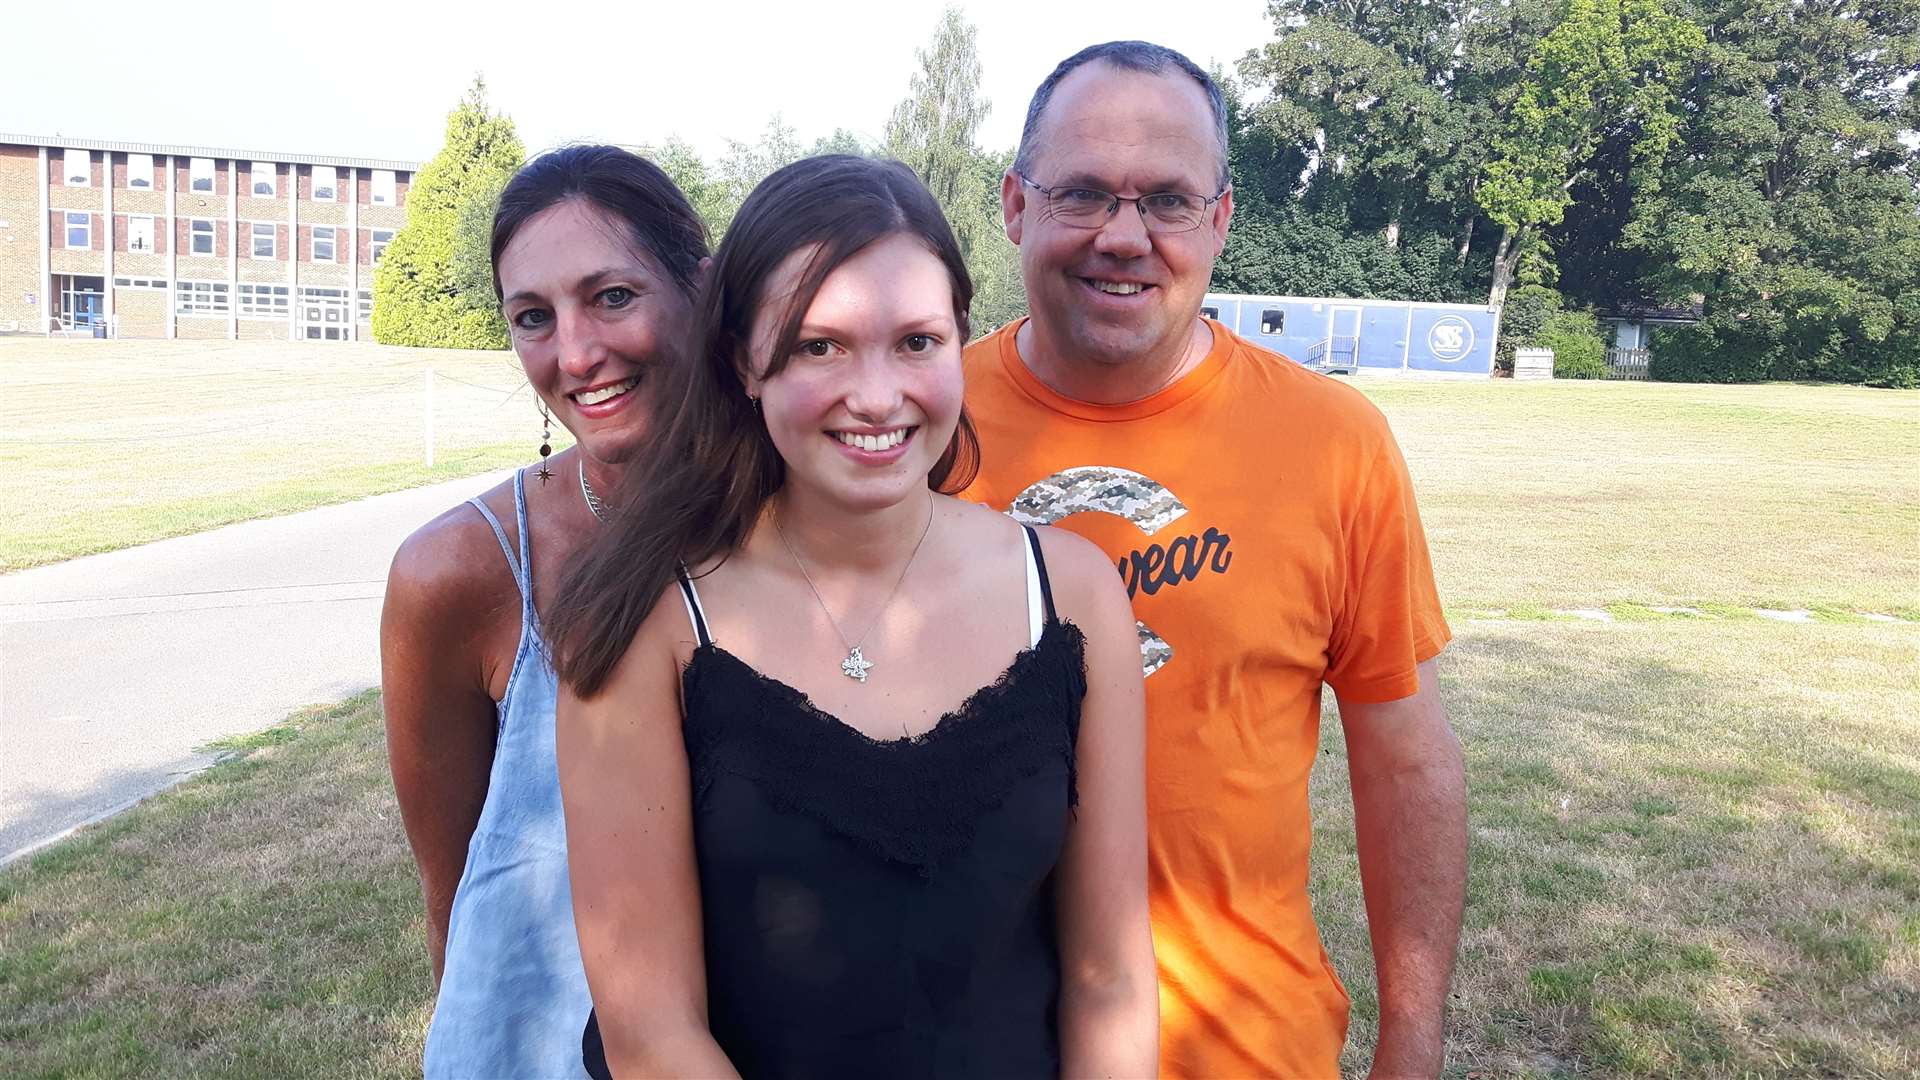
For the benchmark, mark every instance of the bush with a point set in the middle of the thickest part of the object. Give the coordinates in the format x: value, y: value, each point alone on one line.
x: 1579, y: 352
x: 1523, y: 318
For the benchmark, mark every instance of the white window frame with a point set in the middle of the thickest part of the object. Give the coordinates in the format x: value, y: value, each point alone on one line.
x: 85, y: 225
x: 194, y: 233
x: 386, y: 188
x: 217, y: 301
x: 263, y: 172
x: 364, y: 309
x: 140, y: 171
x: 332, y: 185
x: 332, y: 242
x: 254, y: 238
x: 136, y: 225
x: 379, y: 246
x: 259, y: 300
x: 84, y: 164
x: 198, y: 169
x: 139, y: 283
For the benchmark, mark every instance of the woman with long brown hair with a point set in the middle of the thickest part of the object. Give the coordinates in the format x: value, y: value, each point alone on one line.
x: 596, y: 255
x: 853, y: 771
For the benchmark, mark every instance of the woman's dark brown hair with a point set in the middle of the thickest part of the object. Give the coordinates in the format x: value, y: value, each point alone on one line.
x: 698, y: 487
x: 625, y: 186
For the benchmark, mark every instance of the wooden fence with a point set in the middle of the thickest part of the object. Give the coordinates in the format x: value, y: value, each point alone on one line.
x: 1627, y: 363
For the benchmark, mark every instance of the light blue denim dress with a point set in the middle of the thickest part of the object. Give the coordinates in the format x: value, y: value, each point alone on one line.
x: 513, y: 996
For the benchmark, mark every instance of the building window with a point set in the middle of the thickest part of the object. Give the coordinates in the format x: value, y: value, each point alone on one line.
x: 381, y: 238
x: 383, y: 188
x: 140, y: 234
x: 200, y: 174
x: 79, y: 231
x: 264, y: 236
x: 322, y: 244
x: 138, y: 283
x: 200, y: 298
x: 366, y: 304
x: 77, y: 165
x: 323, y: 314
x: 263, y: 178
x: 202, y: 236
x: 140, y: 171
x: 326, y: 184
x: 265, y: 301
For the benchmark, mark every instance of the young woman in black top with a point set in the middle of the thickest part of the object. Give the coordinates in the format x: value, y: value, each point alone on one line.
x: 853, y: 770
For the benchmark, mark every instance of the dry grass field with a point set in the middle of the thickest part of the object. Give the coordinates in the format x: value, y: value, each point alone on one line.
x: 1695, y: 835
x: 106, y: 444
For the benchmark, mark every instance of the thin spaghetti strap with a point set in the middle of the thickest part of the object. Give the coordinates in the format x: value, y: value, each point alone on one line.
x: 506, y: 546
x: 527, y: 612
x: 1040, y: 568
x: 696, y: 614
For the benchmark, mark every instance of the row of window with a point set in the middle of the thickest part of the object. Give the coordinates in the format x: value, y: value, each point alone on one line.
x: 260, y: 301
x: 264, y: 235
x: 77, y: 167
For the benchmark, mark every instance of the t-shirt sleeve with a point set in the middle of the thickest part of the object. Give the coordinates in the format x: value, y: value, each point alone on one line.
x: 1389, y: 620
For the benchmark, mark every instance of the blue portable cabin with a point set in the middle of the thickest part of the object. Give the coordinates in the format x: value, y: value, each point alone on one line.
x: 1366, y: 336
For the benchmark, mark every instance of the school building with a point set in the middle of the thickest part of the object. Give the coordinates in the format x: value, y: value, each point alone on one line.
x: 143, y: 240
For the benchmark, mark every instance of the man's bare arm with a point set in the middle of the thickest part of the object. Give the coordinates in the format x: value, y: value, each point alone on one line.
x: 1410, y: 813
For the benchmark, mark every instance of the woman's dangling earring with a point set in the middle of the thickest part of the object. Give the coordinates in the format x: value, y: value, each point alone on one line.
x: 546, y: 444
x: 756, y: 404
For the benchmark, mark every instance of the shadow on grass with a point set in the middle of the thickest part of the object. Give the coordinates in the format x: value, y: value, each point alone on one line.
x: 262, y: 919
x: 1677, y: 867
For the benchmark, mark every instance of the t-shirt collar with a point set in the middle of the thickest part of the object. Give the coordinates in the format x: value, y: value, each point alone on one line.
x: 1166, y: 398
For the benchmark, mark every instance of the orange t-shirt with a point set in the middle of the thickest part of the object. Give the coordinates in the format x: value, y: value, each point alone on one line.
x: 1263, y: 520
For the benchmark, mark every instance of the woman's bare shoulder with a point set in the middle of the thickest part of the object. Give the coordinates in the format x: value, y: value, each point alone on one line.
x: 454, y: 562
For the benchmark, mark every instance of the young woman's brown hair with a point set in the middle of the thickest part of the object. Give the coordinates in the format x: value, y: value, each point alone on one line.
x: 700, y: 486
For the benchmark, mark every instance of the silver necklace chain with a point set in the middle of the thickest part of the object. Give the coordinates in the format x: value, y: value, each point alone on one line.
x: 594, y: 503
x: 856, y: 665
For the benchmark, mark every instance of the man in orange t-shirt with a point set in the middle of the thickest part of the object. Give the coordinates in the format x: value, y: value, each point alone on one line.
x: 1265, y: 525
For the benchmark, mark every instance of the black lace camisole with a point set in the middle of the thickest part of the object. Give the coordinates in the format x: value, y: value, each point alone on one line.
x: 883, y: 908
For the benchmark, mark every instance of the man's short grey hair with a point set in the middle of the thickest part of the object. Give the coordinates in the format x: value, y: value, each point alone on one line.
x: 1141, y: 56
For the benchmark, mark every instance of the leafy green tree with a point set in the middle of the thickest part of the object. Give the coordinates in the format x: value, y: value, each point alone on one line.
x: 841, y: 141
x: 1788, y: 205
x: 933, y: 131
x: 1609, y: 66
x: 741, y: 170
x: 429, y: 289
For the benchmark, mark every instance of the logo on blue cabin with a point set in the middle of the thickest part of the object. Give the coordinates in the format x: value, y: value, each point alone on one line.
x: 1450, y: 339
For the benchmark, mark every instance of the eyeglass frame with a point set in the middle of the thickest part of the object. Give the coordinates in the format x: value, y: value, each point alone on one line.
x: 1113, y: 206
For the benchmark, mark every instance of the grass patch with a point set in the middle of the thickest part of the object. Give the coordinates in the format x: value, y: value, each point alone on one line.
x: 200, y: 434
x: 1583, y: 494
x: 1693, y: 851
x: 262, y: 919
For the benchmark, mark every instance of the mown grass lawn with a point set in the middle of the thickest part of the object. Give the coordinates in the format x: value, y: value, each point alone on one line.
x: 1695, y: 838
x: 107, y: 444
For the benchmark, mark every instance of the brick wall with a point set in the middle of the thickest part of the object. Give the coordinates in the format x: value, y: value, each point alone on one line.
x: 20, y: 239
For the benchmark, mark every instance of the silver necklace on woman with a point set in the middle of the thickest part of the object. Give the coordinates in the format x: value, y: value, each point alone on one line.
x: 599, y: 508
x: 856, y: 665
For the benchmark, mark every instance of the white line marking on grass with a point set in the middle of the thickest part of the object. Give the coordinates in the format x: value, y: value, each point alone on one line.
x: 1591, y: 614
x: 1798, y: 615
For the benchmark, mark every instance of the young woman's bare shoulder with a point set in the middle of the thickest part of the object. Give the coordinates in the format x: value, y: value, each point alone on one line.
x: 1083, y: 578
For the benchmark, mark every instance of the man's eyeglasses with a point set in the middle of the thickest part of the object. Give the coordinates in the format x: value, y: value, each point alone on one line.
x: 1090, y: 208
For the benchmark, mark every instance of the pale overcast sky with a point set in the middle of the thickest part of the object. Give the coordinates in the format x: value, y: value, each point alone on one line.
x: 374, y: 79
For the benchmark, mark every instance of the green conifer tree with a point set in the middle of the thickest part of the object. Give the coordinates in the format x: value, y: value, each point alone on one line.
x: 432, y: 287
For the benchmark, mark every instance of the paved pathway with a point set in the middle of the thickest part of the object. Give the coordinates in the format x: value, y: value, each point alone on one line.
x: 116, y: 670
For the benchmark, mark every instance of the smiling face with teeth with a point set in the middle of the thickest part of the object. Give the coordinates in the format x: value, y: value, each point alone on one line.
x: 871, y: 396
x: 591, y: 315
x: 1117, y: 297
